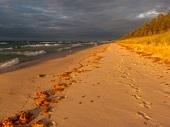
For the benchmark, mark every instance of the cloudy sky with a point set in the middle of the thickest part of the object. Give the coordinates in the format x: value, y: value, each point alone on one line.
x: 74, y: 19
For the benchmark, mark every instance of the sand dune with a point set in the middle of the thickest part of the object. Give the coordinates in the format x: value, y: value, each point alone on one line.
x: 105, y: 86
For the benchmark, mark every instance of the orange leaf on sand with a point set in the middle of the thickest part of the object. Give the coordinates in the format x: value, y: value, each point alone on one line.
x: 38, y: 124
x: 24, y: 117
x: 65, y: 76
x: 7, y: 123
x: 41, y: 101
x: 58, y: 88
x: 45, y: 108
x: 42, y: 94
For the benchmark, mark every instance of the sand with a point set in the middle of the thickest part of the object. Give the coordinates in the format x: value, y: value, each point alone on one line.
x: 105, y: 86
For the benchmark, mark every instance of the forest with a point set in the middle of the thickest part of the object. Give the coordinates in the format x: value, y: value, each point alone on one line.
x: 157, y: 25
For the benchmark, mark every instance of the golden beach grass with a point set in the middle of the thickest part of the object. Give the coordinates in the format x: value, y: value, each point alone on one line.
x: 156, y: 46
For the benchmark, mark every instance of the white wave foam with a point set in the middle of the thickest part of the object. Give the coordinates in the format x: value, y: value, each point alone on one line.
x: 75, y: 45
x: 47, y: 42
x: 9, y: 63
x: 41, y: 45
x: 2, y: 49
x: 3, y: 43
x: 26, y: 53
x: 35, y: 53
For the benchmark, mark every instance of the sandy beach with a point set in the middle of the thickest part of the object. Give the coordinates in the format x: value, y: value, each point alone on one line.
x: 104, y: 86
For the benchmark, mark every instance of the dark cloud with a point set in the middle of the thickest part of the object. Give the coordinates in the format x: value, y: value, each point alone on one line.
x: 73, y: 19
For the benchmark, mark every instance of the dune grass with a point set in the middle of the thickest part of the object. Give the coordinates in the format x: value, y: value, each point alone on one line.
x: 156, y: 46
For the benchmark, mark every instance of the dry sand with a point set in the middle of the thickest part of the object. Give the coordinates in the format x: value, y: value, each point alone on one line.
x: 109, y: 86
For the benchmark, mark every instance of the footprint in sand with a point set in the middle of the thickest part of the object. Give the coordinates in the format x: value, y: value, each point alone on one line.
x: 166, y: 92
x: 98, y: 96
x: 83, y: 96
x: 146, y: 104
x: 131, y: 85
x: 136, y: 96
x: 42, y: 75
x: 143, y: 115
x: 65, y: 118
x: 148, y: 120
x: 92, y: 101
x: 98, y: 83
x: 123, y: 76
x: 167, y: 84
x: 137, y: 90
x: 80, y: 102
x: 160, y: 76
x: 164, y: 102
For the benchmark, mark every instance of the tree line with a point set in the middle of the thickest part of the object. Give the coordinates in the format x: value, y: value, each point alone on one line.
x: 157, y: 25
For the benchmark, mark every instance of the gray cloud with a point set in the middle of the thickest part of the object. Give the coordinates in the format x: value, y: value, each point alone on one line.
x: 72, y: 19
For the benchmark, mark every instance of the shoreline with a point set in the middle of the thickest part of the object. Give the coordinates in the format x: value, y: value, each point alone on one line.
x: 47, y: 57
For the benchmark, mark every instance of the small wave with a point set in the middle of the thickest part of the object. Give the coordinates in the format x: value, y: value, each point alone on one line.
x: 30, y: 53
x: 3, y: 43
x: 69, y: 47
x: 2, y: 49
x: 26, y: 53
x: 61, y: 42
x: 9, y: 63
x: 60, y: 49
x: 35, y: 53
x: 48, y: 42
x: 41, y: 45
x: 75, y: 45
